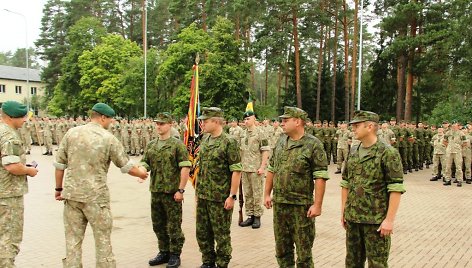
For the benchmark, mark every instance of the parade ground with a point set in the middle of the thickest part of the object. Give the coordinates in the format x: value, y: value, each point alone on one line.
x: 433, y: 226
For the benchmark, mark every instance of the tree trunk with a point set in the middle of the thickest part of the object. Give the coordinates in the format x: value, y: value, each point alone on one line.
x: 204, y: 17
x: 401, y: 62
x: 335, y: 62
x: 346, y: 64
x: 279, y: 85
x: 297, y: 58
x: 410, y: 77
x: 354, y: 56
x: 320, y: 68
x: 237, y: 27
x: 266, y: 88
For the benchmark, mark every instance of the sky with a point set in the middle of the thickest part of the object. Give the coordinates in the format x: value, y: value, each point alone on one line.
x: 12, y: 29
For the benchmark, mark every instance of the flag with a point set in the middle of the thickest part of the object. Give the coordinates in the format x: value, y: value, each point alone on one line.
x: 193, y: 130
x: 250, y: 105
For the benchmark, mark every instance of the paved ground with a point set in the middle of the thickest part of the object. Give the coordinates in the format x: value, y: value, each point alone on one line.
x: 433, y: 226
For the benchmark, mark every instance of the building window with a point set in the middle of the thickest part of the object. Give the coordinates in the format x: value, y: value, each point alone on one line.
x: 18, y: 89
x: 2, y: 88
x: 34, y: 90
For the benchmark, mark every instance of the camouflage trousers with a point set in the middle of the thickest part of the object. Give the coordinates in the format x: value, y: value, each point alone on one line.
x: 438, y: 159
x: 292, y: 226
x: 48, y: 143
x: 327, y: 147
x: 135, y: 145
x: 341, y: 157
x: 27, y: 141
x: 252, y: 188
x: 145, y: 139
x: 467, y: 160
x: 166, y: 215
x: 125, y: 142
x: 403, y: 154
x: 334, y: 151
x: 76, y: 217
x: 427, y: 153
x: 457, y: 159
x: 363, y: 241
x: 214, y: 224
x: 11, y: 226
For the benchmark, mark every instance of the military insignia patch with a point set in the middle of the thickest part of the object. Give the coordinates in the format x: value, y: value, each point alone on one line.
x: 397, y: 166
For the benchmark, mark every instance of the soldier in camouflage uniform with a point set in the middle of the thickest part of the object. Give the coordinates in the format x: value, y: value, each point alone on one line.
x: 342, y: 135
x: 254, y: 155
x: 235, y: 131
x: 439, y: 153
x: 455, y: 140
x: 277, y: 133
x: 217, y: 184
x: 125, y: 130
x: 298, y: 167
x: 327, y: 140
x: 372, y: 186
x: 403, y: 135
x: 467, y: 156
x: 167, y: 159
x: 334, y: 141
x: 47, y: 136
x: 86, y: 152
x: 13, y: 181
x: 428, y: 146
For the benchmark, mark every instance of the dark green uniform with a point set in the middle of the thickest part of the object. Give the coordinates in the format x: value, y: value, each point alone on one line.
x: 218, y: 158
x: 370, y: 175
x: 165, y: 158
x: 420, y: 136
x: 295, y: 165
x: 403, y: 147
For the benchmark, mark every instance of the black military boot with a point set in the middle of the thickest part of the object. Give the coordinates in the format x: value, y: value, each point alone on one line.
x: 459, y: 184
x: 468, y: 181
x: 421, y: 166
x: 174, y: 261
x: 49, y: 153
x: 161, y: 257
x: 427, y: 165
x: 248, y: 222
x: 405, y: 171
x: 416, y: 167
x: 447, y: 183
x: 337, y: 171
x: 208, y: 265
x: 46, y: 153
x: 410, y: 170
x: 434, y: 178
x: 257, y: 223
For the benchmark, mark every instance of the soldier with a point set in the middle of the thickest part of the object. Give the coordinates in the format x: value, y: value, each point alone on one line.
x: 342, y: 135
x: 125, y: 129
x: 439, y: 153
x: 86, y: 152
x: 217, y: 185
x: 298, y: 167
x: 334, y: 141
x: 47, y: 135
x: 254, y: 155
x: 403, y: 134
x: 146, y: 138
x: 385, y: 134
x: 13, y: 181
x: 428, y: 146
x: 467, y: 156
x: 167, y: 159
x: 454, y: 140
x: 421, y: 139
x: 372, y: 186
x: 235, y: 131
x: 327, y: 140
x: 277, y: 133
x: 135, y: 134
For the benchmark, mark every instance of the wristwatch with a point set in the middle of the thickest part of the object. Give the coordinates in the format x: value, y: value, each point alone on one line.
x: 59, y: 189
x: 234, y: 197
x: 181, y: 191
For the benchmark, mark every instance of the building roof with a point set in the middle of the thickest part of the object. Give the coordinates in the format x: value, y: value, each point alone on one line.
x: 20, y: 74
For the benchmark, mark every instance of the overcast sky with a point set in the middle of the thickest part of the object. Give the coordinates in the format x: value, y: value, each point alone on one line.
x: 12, y: 29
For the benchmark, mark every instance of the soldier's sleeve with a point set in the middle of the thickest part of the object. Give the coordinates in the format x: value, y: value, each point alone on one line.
x: 145, y: 160
x: 61, y: 155
x: 11, y: 150
x: 319, y: 162
x: 263, y: 142
x: 182, y: 155
x: 119, y: 157
x: 234, y: 157
x: 393, y: 170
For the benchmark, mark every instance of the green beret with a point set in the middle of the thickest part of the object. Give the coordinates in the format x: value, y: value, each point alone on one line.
x: 248, y: 113
x: 294, y: 112
x: 103, y: 109
x: 14, y: 109
x: 164, y: 117
x: 362, y: 116
x: 210, y: 112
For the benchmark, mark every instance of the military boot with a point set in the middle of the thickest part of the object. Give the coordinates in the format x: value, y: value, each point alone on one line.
x: 468, y: 181
x: 405, y: 171
x: 174, y: 261
x: 257, y: 223
x: 434, y: 178
x: 248, y: 222
x: 337, y: 171
x: 208, y: 265
x: 459, y: 184
x: 447, y: 183
x: 161, y: 257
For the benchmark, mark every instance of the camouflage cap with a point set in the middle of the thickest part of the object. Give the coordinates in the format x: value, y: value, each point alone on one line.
x: 362, y: 116
x: 14, y: 109
x: 248, y: 113
x: 445, y: 122
x: 103, y: 109
x: 294, y: 112
x: 164, y: 117
x: 210, y: 112
x: 393, y: 119
x: 233, y: 120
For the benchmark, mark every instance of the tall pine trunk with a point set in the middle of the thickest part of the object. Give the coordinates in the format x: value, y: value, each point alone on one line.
x: 296, y: 46
x: 346, y: 63
x: 320, y: 69
x: 335, y: 62
x: 410, y: 78
x: 354, y: 57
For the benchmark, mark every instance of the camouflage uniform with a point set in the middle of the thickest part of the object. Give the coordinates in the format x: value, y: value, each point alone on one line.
x: 13, y: 187
x: 236, y: 133
x: 165, y: 158
x: 467, y: 157
x: 439, y: 154
x: 455, y: 140
x: 47, y: 134
x: 253, y: 144
x: 135, y: 134
x: 428, y: 146
x: 86, y: 152
x: 295, y: 165
x: 125, y: 129
x: 218, y: 158
x: 146, y: 138
x: 369, y: 178
x: 343, y: 147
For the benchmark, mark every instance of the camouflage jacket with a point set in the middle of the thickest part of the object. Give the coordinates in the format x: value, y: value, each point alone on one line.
x: 236, y: 133
x: 455, y: 139
x: 86, y: 152
x: 218, y: 158
x: 343, y: 138
x: 295, y: 165
x: 165, y: 159
x: 369, y: 181
x: 11, y: 152
x: 253, y: 143
x: 438, y: 144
